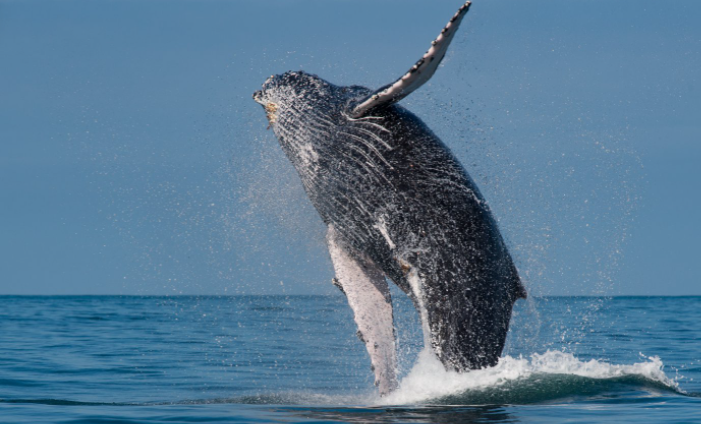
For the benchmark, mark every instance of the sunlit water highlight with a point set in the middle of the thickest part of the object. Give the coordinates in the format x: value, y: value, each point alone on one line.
x: 275, y: 358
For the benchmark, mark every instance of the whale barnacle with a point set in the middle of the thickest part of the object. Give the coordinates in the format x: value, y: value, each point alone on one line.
x: 406, y: 268
x: 271, y: 113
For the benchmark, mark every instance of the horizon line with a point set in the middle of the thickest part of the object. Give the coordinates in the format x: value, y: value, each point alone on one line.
x: 317, y: 295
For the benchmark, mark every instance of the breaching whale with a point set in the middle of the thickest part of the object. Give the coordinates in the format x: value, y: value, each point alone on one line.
x: 398, y: 204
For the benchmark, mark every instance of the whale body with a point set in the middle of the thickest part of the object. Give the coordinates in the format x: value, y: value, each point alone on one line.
x: 398, y: 205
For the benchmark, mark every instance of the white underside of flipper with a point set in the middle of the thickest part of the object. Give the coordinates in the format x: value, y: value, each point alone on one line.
x: 368, y: 296
x: 421, y: 72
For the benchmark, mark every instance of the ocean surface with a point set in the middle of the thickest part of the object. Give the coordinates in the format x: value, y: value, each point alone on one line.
x: 114, y: 359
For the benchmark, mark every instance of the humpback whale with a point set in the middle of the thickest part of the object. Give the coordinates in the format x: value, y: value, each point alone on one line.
x: 398, y: 206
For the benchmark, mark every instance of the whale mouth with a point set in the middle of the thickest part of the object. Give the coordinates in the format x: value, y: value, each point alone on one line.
x: 258, y: 97
x: 263, y: 100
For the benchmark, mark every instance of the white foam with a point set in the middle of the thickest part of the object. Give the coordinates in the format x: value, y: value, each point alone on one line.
x: 429, y: 380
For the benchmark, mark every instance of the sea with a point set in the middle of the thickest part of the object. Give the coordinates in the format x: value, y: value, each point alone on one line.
x: 257, y: 359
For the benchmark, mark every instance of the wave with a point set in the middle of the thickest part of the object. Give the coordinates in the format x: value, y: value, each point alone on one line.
x: 539, y: 378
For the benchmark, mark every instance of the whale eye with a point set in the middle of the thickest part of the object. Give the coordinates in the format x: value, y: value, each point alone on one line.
x: 271, y: 112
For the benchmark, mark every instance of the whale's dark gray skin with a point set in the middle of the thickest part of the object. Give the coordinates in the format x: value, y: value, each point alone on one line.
x: 398, y: 204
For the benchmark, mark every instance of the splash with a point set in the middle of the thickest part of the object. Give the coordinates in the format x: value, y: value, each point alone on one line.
x: 541, y: 377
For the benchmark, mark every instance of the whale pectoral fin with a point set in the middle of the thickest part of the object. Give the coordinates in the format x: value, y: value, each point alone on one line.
x: 421, y: 72
x: 368, y: 295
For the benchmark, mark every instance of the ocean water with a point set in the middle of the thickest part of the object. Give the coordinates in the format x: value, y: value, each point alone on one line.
x: 110, y: 359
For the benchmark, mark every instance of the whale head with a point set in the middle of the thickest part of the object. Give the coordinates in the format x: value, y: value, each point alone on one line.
x: 303, y: 109
x: 294, y: 97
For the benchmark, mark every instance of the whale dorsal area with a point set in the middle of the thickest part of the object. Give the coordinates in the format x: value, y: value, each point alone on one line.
x: 368, y: 296
x: 421, y: 72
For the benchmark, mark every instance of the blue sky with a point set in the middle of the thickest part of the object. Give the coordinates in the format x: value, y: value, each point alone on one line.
x: 133, y: 160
